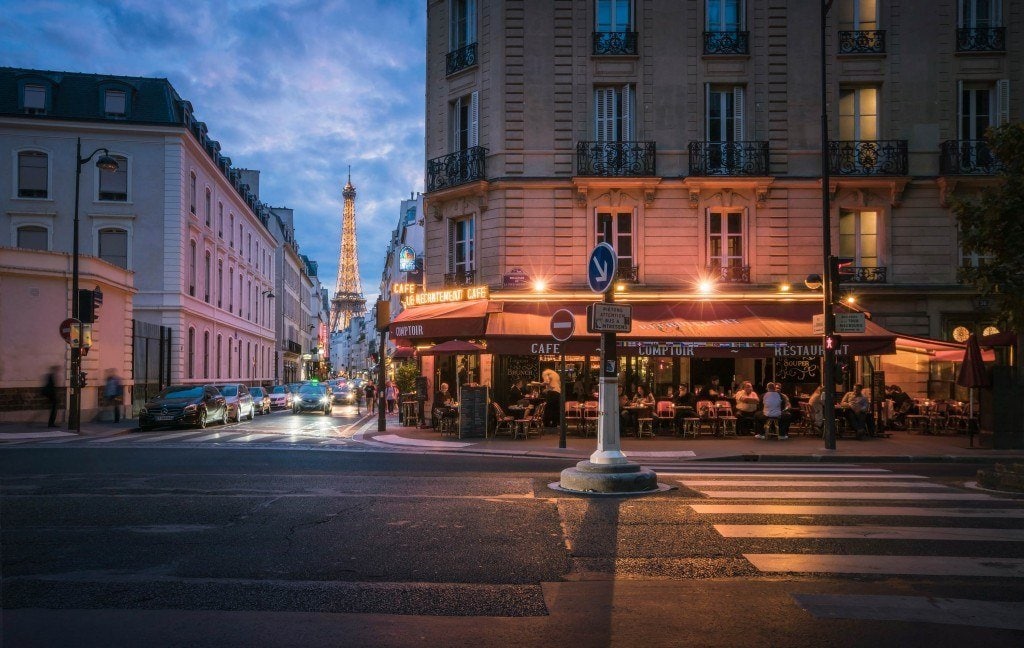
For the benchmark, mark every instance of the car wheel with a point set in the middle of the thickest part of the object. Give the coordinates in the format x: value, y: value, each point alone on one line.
x: 145, y: 428
x: 201, y: 421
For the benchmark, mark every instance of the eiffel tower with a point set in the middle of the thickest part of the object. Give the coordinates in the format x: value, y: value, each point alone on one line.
x: 348, y: 294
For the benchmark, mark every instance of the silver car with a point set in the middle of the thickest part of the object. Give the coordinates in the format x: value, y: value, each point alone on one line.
x: 239, y: 401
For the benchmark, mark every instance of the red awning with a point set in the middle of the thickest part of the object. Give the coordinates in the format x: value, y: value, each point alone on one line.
x: 453, y: 346
x: 459, y: 319
x: 403, y: 353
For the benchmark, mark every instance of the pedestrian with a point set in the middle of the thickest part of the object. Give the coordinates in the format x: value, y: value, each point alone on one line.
x: 49, y: 392
x: 391, y: 395
x: 113, y: 393
x: 371, y: 396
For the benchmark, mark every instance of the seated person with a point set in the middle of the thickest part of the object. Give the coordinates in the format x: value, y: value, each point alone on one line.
x: 642, y: 397
x: 444, y: 397
x: 747, y: 401
x: 817, y: 414
x: 776, y: 406
x: 516, y: 393
x: 859, y: 415
x: 714, y: 391
x: 850, y: 395
x: 625, y: 416
x: 686, y: 403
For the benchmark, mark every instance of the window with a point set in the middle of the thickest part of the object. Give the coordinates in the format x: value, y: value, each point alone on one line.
x: 33, y: 174
x: 240, y: 292
x: 464, y: 122
x: 114, y: 184
x: 113, y: 246
x: 724, y: 15
x: 206, y: 278
x: 192, y: 269
x: 725, y: 240
x: 231, y: 225
x: 206, y: 354
x: 462, y: 245
x: 231, y: 289
x: 217, y: 365
x: 613, y: 114
x: 982, y: 105
x: 616, y: 229
x: 462, y: 30
x: 239, y: 358
x: 220, y: 220
x: 34, y: 98
x: 858, y: 237
x: 410, y: 216
x: 249, y: 250
x: 248, y: 354
x: 192, y: 193
x: 208, y: 207
x: 191, y: 352
x: 220, y: 283
x: 858, y: 15
x: 115, y: 103
x: 248, y: 302
x: 858, y: 114
x: 614, y: 16
x: 33, y: 237
x: 725, y: 114
x: 980, y: 14
x: 229, y: 358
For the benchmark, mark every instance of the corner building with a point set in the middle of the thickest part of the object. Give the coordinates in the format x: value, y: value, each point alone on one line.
x: 687, y: 135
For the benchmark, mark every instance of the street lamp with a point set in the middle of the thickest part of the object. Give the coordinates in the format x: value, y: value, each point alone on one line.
x: 828, y: 354
x: 105, y: 163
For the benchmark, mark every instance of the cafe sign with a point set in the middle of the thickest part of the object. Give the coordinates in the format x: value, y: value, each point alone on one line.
x: 450, y: 295
x: 407, y: 288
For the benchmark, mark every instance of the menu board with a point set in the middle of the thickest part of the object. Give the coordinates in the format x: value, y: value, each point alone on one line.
x: 421, y: 388
x: 525, y: 367
x: 473, y: 403
x: 798, y: 369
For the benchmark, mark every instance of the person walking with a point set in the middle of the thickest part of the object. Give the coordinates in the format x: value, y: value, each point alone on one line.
x: 391, y: 395
x: 113, y: 393
x: 49, y: 392
x: 371, y: 396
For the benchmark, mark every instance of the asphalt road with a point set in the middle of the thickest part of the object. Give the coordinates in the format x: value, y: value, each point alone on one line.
x: 213, y: 547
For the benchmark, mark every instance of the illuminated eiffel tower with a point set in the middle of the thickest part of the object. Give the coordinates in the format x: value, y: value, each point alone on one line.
x: 348, y: 294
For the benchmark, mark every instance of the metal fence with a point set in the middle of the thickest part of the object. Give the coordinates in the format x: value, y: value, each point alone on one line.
x: 151, y: 361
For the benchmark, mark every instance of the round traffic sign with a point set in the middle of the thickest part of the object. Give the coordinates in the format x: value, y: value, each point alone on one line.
x: 65, y: 328
x: 563, y: 323
x: 601, y: 267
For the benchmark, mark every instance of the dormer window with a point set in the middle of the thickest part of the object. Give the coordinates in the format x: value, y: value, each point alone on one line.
x: 34, y: 99
x: 115, y: 103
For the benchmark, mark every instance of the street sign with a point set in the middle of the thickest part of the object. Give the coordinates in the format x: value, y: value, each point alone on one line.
x: 67, y: 327
x: 818, y: 324
x: 601, y: 267
x: 603, y: 317
x: 563, y: 323
x: 850, y: 323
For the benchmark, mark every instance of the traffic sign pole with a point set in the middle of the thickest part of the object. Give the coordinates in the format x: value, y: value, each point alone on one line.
x: 563, y: 323
x: 609, y: 444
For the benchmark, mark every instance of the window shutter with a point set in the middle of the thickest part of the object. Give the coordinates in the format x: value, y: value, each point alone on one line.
x: 451, y: 246
x: 474, y: 117
x: 737, y: 108
x: 1002, y: 101
x: 470, y: 22
x: 997, y: 13
x: 961, y: 134
x: 707, y: 112
x: 600, y: 114
x: 628, y: 131
x: 456, y: 123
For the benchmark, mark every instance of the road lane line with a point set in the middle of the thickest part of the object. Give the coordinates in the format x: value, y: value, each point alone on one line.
x: 216, y: 436
x: 1007, y: 615
x: 824, y: 495
x: 873, y: 564
x: 252, y: 437
x: 895, y: 511
x: 172, y: 435
x: 868, y: 532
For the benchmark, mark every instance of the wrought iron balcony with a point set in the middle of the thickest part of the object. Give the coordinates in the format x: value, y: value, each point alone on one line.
x: 292, y: 346
x: 867, y: 158
x: 606, y: 159
x: 456, y: 168
x: 460, y: 59
x: 967, y: 157
x: 728, y: 158
x: 726, y: 42
x: 981, y: 39
x: 616, y: 43
x: 864, y: 274
x: 729, y: 274
x: 459, y: 278
x: 862, y: 41
x: 627, y: 273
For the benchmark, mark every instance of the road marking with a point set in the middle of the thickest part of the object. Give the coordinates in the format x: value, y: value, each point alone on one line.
x: 839, y: 484
x: 662, y: 455
x: 868, y: 532
x: 161, y: 437
x: 216, y: 436
x: 1008, y: 615
x: 765, y: 471
x: 914, y: 511
x: 43, y: 434
x: 252, y: 437
x: 394, y: 439
x: 824, y: 495
x: 906, y: 565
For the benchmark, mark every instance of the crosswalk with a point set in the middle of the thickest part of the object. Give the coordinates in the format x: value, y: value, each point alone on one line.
x: 857, y: 520
x: 230, y: 436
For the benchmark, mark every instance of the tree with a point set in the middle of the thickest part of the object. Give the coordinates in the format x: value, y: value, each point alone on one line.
x: 405, y: 376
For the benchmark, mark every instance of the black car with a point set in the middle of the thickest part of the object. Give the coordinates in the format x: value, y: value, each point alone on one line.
x: 184, y: 405
x: 312, y: 397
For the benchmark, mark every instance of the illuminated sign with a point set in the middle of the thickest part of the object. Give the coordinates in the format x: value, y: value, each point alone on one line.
x: 445, y: 296
x: 403, y: 288
x: 407, y: 259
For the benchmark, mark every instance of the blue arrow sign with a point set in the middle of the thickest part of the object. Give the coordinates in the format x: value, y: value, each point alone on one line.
x: 601, y: 267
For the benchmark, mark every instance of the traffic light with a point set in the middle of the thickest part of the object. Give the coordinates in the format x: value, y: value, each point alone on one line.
x: 81, y: 378
x: 89, y: 302
x: 834, y: 343
x: 840, y: 270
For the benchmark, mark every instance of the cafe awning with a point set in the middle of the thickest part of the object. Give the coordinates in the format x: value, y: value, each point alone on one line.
x: 453, y: 346
x: 442, y: 321
x: 403, y: 353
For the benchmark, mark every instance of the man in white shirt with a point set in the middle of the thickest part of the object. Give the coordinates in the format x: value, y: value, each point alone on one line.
x: 746, y: 408
x: 776, y: 406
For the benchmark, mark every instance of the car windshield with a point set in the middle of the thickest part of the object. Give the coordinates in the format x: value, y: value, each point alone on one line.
x: 280, y: 389
x: 181, y: 391
x: 229, y: 390
x: 257, y: 392
x: 311, y: 389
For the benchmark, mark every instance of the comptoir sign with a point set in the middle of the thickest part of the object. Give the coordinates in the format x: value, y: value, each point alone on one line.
x: 445, y: 296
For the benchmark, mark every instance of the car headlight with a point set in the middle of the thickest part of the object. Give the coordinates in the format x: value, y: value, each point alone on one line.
x: 143, y: 412
x: 325, y: 399
x: 190, y: 408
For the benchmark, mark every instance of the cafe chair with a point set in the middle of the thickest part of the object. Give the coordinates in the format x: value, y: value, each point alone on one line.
x: 536, y: 424
x: 708, y: 416
x: 504, y: 424
x: 573, y: 418
x: 691, y: 426
x: 664, y: 415
x: 590, y: 418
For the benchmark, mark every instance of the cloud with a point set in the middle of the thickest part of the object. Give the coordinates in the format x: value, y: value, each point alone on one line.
x: 298, y: 89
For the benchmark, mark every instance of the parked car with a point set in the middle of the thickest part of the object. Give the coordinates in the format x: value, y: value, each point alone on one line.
x: 312, y: 397
x: 345, y: 395
x: 240, y: 405
x: 281, y: 397
x: 260, y: 400
x: 195, y: 405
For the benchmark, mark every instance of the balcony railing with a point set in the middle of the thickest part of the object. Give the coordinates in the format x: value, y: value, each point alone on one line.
x: 293, y: 347
x: 862, y: 41
x: 868, y: 158
x: 981, y: 39
x: 616, y: 43
x: 864, y: 274
x: 728, y: 158
x: 726, y: 42
x: 460, y: 59
x: 967, y: 157
x: 615, y: 158
x: 456, y: 168
x: 729, y: 274
x: 627, y: 273
x: 459, y: 278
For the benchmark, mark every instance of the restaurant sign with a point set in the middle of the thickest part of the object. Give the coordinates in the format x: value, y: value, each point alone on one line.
x: 652, y: 348
x: 446, y: 296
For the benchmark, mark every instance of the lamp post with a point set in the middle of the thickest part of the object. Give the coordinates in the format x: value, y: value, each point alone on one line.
x: 828, y: 354
x: 106, y: 163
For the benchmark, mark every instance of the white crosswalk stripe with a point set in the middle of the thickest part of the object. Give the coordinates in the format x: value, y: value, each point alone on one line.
x: 861, y: 536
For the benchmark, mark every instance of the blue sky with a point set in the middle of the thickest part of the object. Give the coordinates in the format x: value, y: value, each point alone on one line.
x: 298, y: 89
